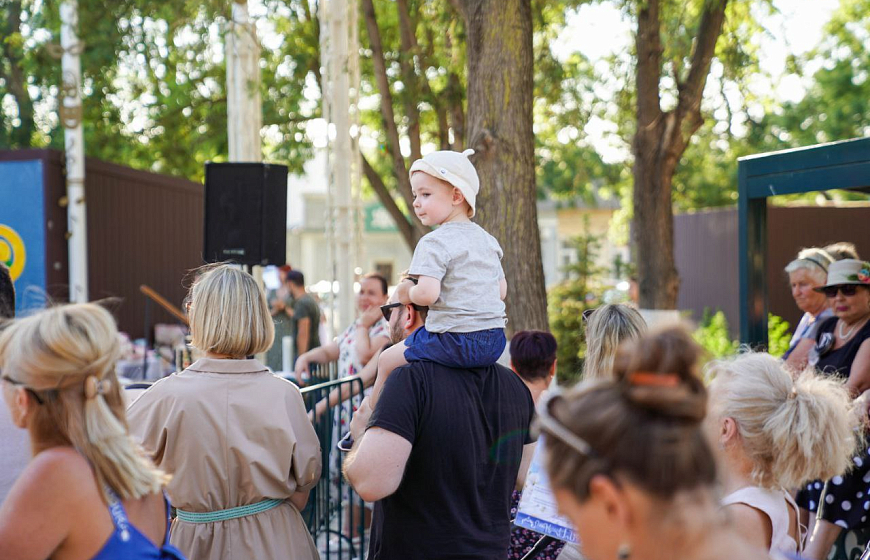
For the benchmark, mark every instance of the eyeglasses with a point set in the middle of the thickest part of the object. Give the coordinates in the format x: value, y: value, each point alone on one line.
x: 588, y: 313
x: 554, y: 427
x: 848, y: 290
x: 387, y: 309
x: 15, y: 383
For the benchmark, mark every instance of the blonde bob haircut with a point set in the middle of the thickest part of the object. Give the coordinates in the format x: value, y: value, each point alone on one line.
x: 792, y: 429
x: 609, y: 326
x: 228, y: 313
x: 66, y: 355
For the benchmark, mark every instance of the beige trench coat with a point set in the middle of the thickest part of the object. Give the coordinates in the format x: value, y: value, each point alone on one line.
x: 231, y: 434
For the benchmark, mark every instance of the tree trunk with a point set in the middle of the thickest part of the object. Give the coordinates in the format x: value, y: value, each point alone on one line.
x: 653, y: 229
x: 499, y: 123
x: 659, y: 143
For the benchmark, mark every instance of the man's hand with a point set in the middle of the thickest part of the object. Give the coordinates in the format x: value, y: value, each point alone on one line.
x: 360, y: 420
x: 370, y: 316
x: 403, y: 292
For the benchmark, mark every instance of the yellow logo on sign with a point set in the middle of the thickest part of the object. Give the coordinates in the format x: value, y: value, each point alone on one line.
x: 12, y: 252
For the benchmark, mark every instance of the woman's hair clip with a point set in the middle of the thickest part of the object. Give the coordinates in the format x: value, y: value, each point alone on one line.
x: 95, y: 386
x: 651, y: 379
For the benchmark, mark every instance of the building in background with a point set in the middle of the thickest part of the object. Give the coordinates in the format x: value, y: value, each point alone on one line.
x: 562, y: 221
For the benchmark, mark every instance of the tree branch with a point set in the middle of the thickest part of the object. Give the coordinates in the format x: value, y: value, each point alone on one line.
x: 409, y: 77
x: 649, y: 65
x: 389, y: 118
x: 314, y: 20
x: 406, y: 228
x: 437, y: 101
x: 692, y: 91
x: 455, y: 98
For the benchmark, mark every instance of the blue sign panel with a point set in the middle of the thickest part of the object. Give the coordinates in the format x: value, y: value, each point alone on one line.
x: 22, y: 230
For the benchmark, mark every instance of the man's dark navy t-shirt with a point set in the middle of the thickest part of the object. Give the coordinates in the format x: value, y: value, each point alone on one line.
x: 467, y: 428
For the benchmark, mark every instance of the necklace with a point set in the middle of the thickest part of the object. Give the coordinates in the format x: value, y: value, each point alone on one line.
x: 849, y: 334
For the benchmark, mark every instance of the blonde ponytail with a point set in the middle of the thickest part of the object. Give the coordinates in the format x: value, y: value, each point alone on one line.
x: 68, y: 353
x: 792, y: 429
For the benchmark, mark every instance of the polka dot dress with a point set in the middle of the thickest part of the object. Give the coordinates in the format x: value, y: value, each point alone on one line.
x: 847, y: 500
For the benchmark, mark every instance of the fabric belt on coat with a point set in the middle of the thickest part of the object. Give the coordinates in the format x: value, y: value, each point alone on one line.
x: 227, y: 514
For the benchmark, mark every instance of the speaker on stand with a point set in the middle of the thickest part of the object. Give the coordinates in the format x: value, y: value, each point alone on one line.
x: 245, y: 213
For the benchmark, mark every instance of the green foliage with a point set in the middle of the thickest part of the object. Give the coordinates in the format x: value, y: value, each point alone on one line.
x: 712, y: 334
x: 567, y: 301
x: 778, y: 335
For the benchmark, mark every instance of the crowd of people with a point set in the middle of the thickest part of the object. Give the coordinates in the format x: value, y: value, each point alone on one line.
x: 654, y: 455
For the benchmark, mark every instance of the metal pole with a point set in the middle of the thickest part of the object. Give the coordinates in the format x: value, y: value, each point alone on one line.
x: 70, y: 108
x: 244, y: 105
x: 342, y: 150
x: 244, y: 108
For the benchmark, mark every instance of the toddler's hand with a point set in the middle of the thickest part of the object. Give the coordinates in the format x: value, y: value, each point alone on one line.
x: 403, y: 292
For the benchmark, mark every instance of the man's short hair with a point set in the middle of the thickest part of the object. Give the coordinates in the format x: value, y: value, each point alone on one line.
x: 296, y: 278
x: 533, y: 354
x: 385, y: 286
x: 7, y: 294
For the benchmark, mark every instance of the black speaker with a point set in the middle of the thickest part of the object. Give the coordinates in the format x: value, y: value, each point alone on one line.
x: 246, y: 213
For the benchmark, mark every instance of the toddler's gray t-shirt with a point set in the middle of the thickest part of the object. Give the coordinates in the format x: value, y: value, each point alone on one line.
x: 467, y: 261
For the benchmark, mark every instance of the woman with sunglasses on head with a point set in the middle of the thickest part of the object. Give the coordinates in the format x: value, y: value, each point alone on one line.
x: 234, y: 436
x: 842, y: 349
x: 607, y: 327
x: 89, y: 492
x: 629, y: 463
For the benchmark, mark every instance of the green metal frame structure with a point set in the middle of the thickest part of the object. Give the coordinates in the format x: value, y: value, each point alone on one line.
x: 838, y: 165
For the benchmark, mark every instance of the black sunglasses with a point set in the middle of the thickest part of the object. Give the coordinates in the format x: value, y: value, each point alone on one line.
x: 387, y: 309
x: 32, y: 392
x: 848, y: 290
x: 587, y: 313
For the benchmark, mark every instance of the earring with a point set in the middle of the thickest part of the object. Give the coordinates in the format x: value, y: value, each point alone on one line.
x: 624, y: 552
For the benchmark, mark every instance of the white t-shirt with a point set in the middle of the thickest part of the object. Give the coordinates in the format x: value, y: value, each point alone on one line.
x: 467, y: 262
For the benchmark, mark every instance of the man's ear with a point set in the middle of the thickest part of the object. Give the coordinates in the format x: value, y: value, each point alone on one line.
x: 410, y: 317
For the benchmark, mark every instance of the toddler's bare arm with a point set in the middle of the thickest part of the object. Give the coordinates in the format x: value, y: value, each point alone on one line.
x: 502, y: 288
x: 426, y: 292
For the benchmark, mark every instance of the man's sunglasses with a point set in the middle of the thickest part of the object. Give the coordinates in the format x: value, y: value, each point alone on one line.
x: 387, y: 309
x: 32, y: 392
x: 848, y: 290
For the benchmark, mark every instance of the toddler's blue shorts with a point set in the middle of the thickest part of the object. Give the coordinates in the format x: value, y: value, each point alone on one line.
x: 457, y: 350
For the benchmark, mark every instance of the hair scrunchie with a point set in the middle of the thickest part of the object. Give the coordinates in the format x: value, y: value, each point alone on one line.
x: 94, y: 386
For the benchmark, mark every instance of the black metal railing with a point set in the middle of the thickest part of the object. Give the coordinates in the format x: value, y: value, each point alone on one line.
x: 335, y: 514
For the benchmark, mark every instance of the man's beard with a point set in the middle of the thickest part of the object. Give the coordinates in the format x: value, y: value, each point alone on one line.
x: 397, y: 333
